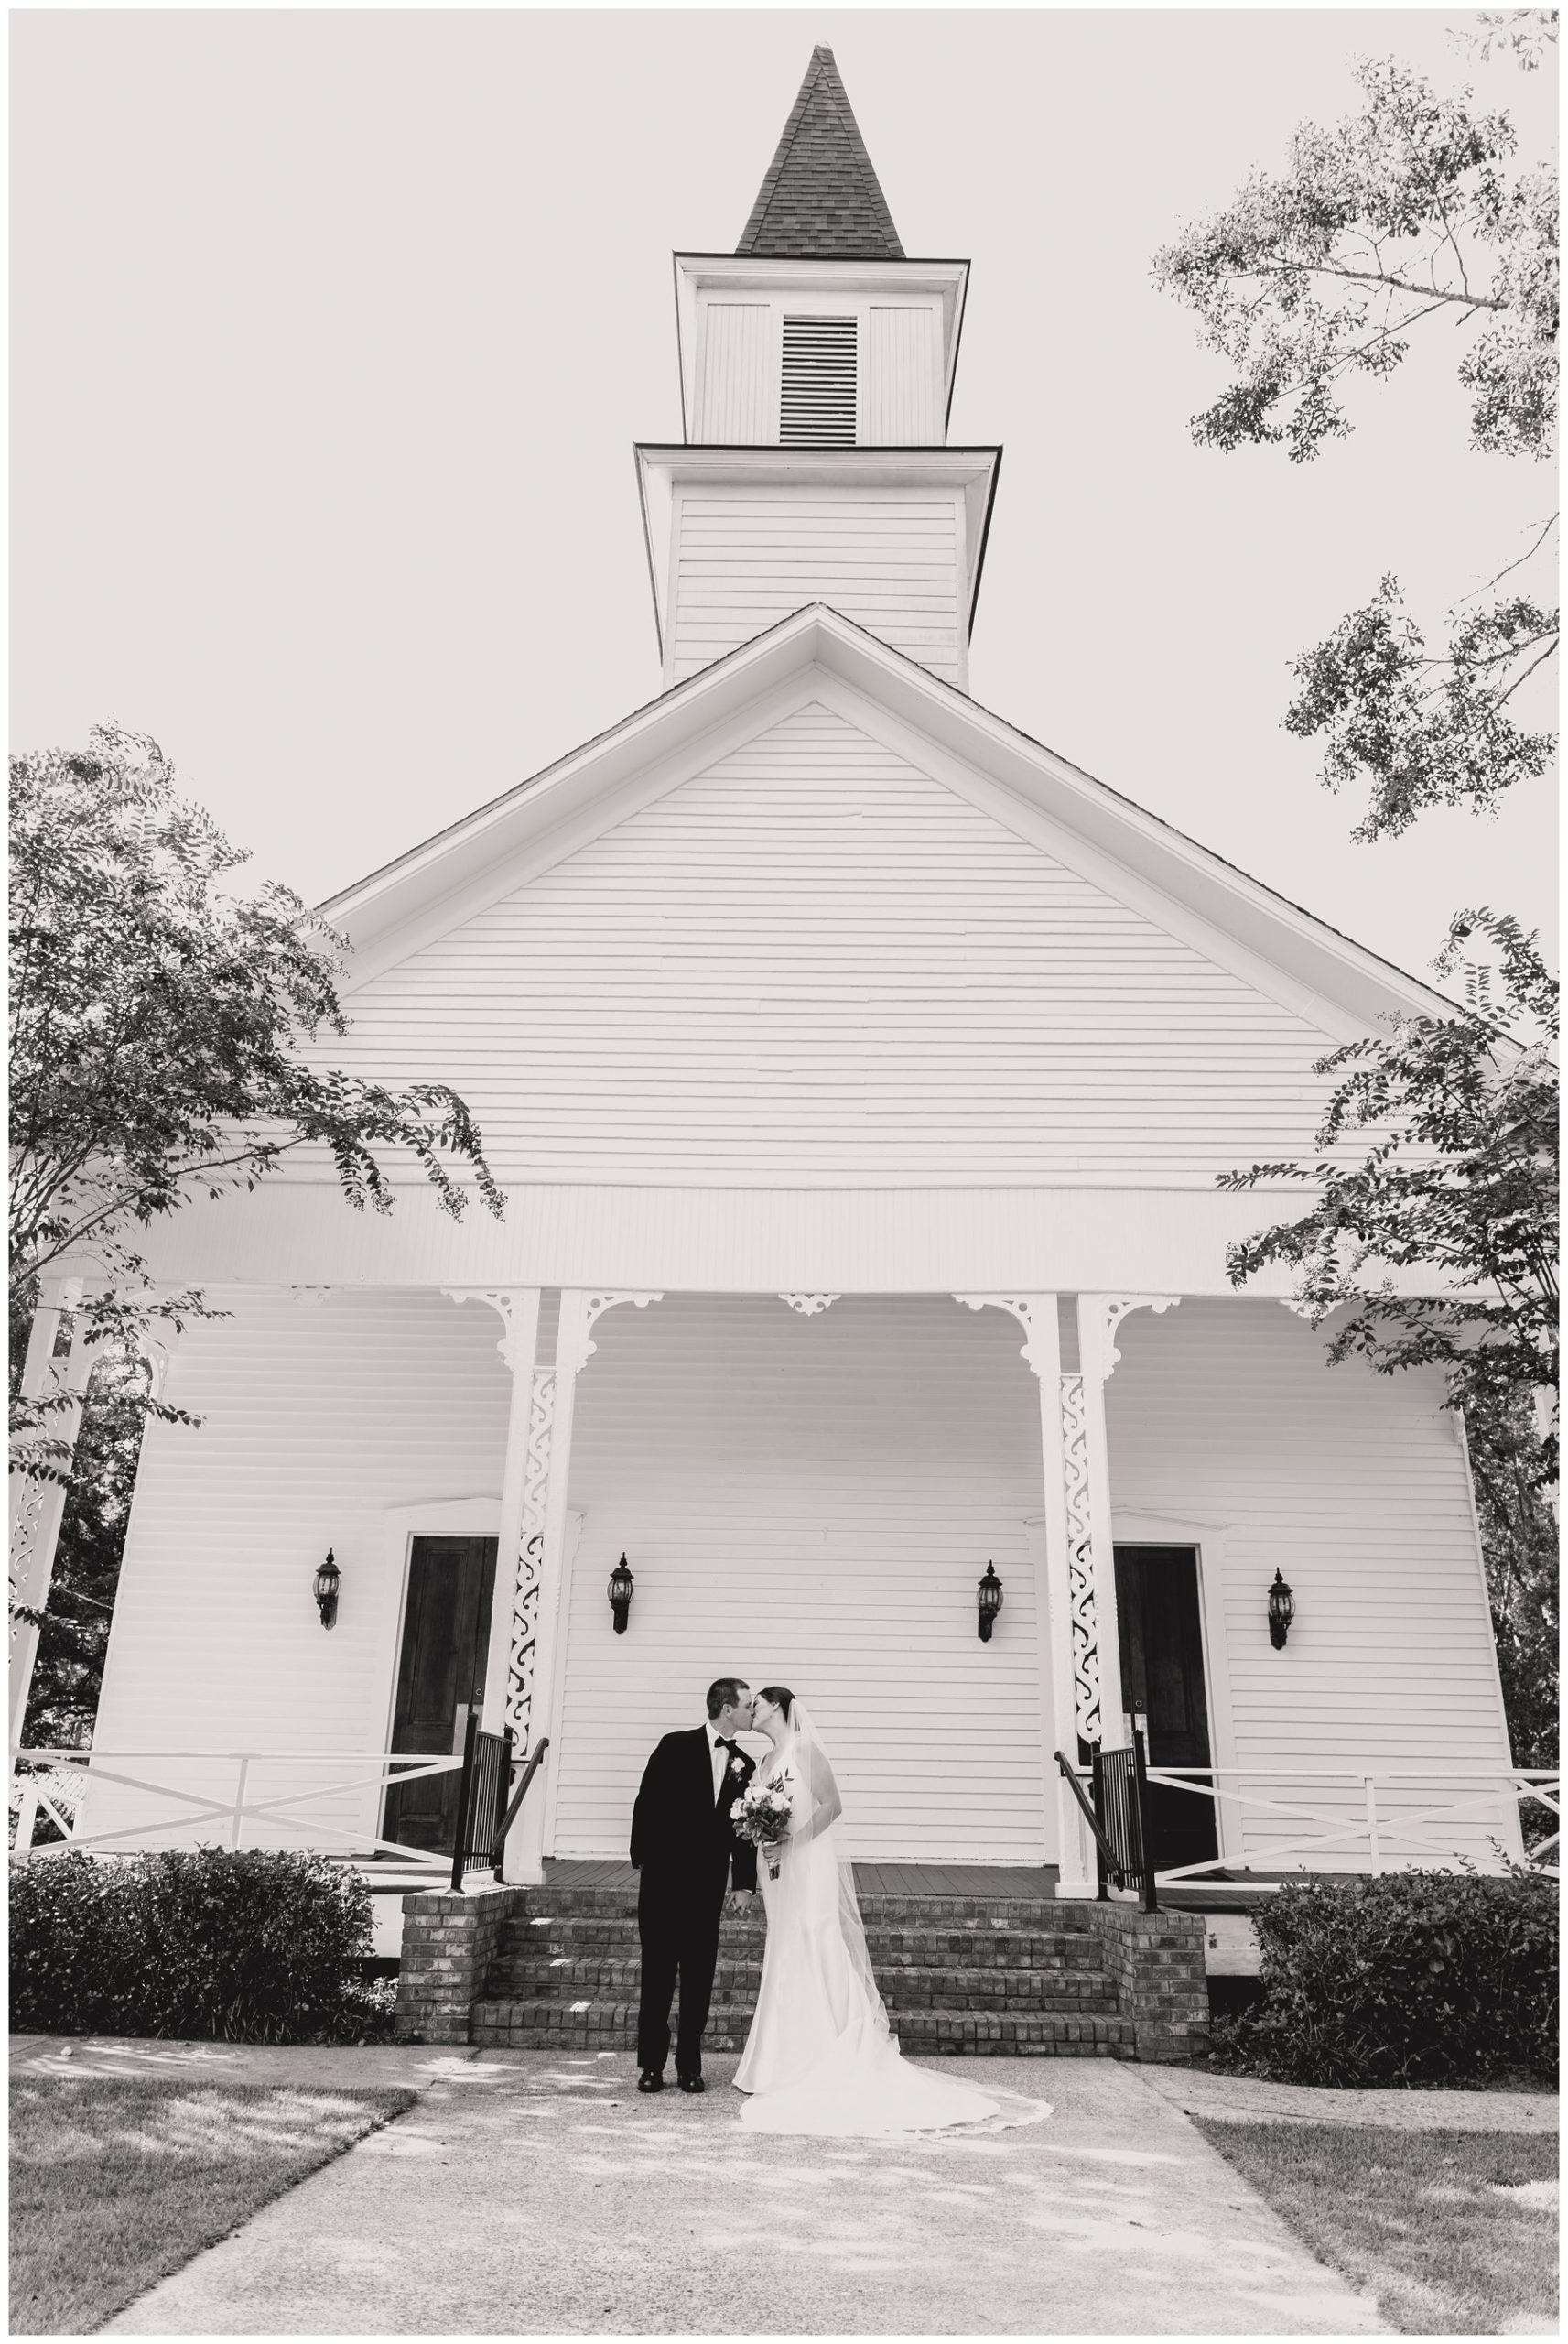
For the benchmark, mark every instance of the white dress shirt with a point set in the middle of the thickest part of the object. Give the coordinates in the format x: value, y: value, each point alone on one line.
x: 719, y: 1756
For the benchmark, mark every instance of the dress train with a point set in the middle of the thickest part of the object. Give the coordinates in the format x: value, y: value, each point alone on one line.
x: 820, y: 2058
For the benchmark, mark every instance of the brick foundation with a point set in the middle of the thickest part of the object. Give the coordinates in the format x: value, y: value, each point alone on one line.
x: 450, y: 1940
x: 1156, y: 1963
x: 1030, y: 1980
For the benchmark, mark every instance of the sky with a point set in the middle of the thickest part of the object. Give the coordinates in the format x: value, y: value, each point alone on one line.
x: 333, y: 333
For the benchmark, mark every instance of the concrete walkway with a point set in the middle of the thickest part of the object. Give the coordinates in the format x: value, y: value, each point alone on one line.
x: 532, y: 2194
x: 1195, y: 2090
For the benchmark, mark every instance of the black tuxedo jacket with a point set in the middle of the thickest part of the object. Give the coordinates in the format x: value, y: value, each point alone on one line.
x: 680, y: 1833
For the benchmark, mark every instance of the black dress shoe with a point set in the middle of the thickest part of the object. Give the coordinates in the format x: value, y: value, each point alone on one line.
x: 692, y: 2083
x: 650, y: 2081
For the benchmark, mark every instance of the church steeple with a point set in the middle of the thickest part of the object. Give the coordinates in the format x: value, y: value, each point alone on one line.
x: 816, y: 373
x: 821, y: 199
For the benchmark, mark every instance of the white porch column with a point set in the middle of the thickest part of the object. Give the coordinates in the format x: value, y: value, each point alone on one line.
x: 509, y: 1659
x: 38, y: 1507
x: 1087, y: 1457
x: 1066, y: 1633
x: 547, y: 1480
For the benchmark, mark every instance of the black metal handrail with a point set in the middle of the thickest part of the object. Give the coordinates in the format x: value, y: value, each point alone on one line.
x: 1123, y: 1798
x: 1070, y: 1776
x: 519, y: 1795
x: 482, y: 1813
x: 1119, y: 1781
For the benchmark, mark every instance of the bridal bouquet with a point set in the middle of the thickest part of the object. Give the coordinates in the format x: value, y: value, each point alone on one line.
x: 762, y: 1817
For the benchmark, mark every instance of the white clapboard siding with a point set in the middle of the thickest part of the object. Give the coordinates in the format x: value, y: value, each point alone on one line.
x: 738, y: 398
x: 746, y: 559
x: 807, y: 1499
x: 1353, y: 1486
x: 811, y: 1501
x: 316, y: 1422
x: 814, y: 963
x: 902, y: 376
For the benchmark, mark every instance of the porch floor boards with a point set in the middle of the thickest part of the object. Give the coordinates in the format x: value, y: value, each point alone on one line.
x: 1026, y: 1881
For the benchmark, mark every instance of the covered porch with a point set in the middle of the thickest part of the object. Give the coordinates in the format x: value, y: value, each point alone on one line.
x: 808, y: 1488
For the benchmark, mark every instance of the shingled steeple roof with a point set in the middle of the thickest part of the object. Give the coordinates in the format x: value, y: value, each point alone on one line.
x: 820, y: 200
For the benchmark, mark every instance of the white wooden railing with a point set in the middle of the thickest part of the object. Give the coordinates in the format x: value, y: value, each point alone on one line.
x: 59, y: 1784
x: 1363, y: 1816
x: 1337, y: 1819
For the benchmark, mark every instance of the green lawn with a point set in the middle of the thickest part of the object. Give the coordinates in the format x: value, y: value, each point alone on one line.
x: 115, y: 2182
x: 1455, y: 2234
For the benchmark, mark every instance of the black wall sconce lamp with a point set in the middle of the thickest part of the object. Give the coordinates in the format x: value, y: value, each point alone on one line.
x: 328, y: 1580
x: 990, y: 1603
x: 1281, y: 1612
x: 621, y: 1584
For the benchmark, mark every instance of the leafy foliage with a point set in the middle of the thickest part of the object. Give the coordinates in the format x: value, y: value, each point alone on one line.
x: 161, y: 1032
x: 1460, y: 1177
x: 1411, y: 213
x: 1408, y: 1978
x: 68, y: 1674
x: 1404, y: 214
x: 1427, y: 731
x: 1526, y: 34
x: 163, y: 1035
x: 261, y: 1945
x: 166, y: 1038
x: 1510, y: 1463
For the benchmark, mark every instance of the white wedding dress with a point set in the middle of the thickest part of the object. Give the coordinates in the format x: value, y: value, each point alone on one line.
x: 820, y: 2058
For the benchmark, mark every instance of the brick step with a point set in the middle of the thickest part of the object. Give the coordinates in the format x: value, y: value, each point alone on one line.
x: 983, y: 1989
x: 609, y: 1976
x: 588, y: 1934
x: 1001, y: 1947
x: 546, y: 2024
x: 1159, y: 2005
x: 997, y: 1949
x: 1045, y: 1916
x: 936, y: 1988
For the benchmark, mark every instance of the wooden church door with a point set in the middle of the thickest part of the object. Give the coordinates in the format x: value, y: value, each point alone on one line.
x: 440, y: 1678
x: 1162, y: 1686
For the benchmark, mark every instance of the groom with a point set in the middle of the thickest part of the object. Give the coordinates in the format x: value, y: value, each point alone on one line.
x: 685, y: 1845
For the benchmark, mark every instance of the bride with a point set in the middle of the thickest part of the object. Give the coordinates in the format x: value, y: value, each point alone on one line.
x: 820, y: 2056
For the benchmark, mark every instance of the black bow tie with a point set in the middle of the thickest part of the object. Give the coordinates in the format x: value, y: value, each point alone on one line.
x: 733, y: 1747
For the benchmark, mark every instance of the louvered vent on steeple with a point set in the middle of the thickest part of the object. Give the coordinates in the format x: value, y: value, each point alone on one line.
x: 816, y: 365
x: 816, y: 401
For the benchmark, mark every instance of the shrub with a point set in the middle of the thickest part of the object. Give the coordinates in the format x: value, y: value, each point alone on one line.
x: 1410, y: 1978
x: 262, y: 1946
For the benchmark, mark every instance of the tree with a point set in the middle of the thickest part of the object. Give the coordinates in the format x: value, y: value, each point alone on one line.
x: 1461, y: 1176
x: 166, y: 1043
x: 1404, y: 217
x: 1408, y: 214
x: 161, y: 1031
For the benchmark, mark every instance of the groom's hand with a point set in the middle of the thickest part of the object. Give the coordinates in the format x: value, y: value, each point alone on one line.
x: 739, y: 1900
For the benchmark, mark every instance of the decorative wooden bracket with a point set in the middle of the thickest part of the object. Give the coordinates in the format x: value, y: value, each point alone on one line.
x: 575, y: 1345
x: 1022, y: 1308
x: 1100, y: 1317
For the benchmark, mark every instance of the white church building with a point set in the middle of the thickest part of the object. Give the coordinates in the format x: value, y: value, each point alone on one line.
x: 858, y: 1072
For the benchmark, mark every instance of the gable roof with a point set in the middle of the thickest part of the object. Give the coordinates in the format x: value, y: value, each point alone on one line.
x: 820, y: 200
x: 1337, y: 984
